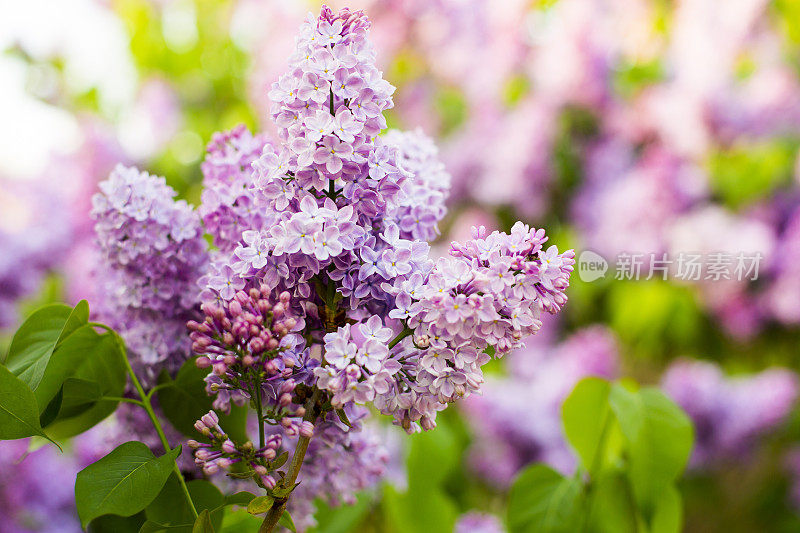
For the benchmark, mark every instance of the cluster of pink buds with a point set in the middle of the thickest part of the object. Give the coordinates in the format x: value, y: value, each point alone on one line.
x: 247, y: 330
x: 222, y: 452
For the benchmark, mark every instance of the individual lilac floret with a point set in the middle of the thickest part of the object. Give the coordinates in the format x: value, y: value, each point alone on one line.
x: 222, y: 453
x: 421, y: 203
x: 729, y: 413
x: 152, y: 253
x: 517, y: 419
x: 229, y: 203
x: 341, y: 462
x: 475, y: 522
x: 489, y: 291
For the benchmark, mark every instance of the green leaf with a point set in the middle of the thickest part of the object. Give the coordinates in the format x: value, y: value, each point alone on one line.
x: 237, y: 521
x: 286, y: 521
x: 260, y: 505
x: 117, y: 524
x: 84, y: 358
x: 123, y: 482
x: 79, y: 395
x: 668, y: 514
x: 613, y: 509
x: 659, y: 437
x: 170, y: 507
x: 585, y: 414
x: 51, y: 411
x: 35, y: 341
x: 184, y: 400
x: 542, y: 500
x: 203, y: 523
x: 240, y: 498
x: 19, y: 413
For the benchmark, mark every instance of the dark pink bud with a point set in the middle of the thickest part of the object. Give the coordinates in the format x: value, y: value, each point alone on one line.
x: 285, y: 297
x: 285, y: 400
x: 230, y: 359
x: 234, y: 309
x: 248, y: 360
x: 255, y: 294
x: 228, y: 446
x: 203, y: 362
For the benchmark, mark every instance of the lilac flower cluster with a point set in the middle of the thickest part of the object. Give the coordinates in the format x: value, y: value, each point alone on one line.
x: 421, y: 204
x: 329, y: 111
x: 348, y: 213
x: 489, y: 291
x: 229, y: 203
x: 729, y: 413
x: 222, y: 452
x: 152, y: 253
x: 248, y: 345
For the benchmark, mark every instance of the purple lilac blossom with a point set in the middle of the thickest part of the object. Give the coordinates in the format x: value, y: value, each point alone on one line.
x: 152, y: 253
x: 229, y: 204
x: 336, y: 290
x: 422, y: 202
x: 517, y: 419
x: 729, y: 413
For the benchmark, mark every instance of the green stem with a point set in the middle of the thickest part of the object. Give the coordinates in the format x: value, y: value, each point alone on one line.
x: 128, y: 400
x: 400, y: 336
x: 260, y: 412
x: 279, y: 506
x: 148, y: 406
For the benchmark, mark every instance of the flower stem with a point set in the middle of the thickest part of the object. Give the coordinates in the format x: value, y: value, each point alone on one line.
x: 148, y: 406
x: 400, y: 336
x: 260, y: 413
x: 279, y: 506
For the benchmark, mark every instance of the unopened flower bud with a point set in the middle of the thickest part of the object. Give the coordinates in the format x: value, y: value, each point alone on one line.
x: 261, y: 470
x: 203, y: 362
x: 234, y: 309
x: 306, y: 429
x: 210, y: 419
x: 268, y: 482
x: 285, y: 400
x: 423, y: 341
x: 228, y: 446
